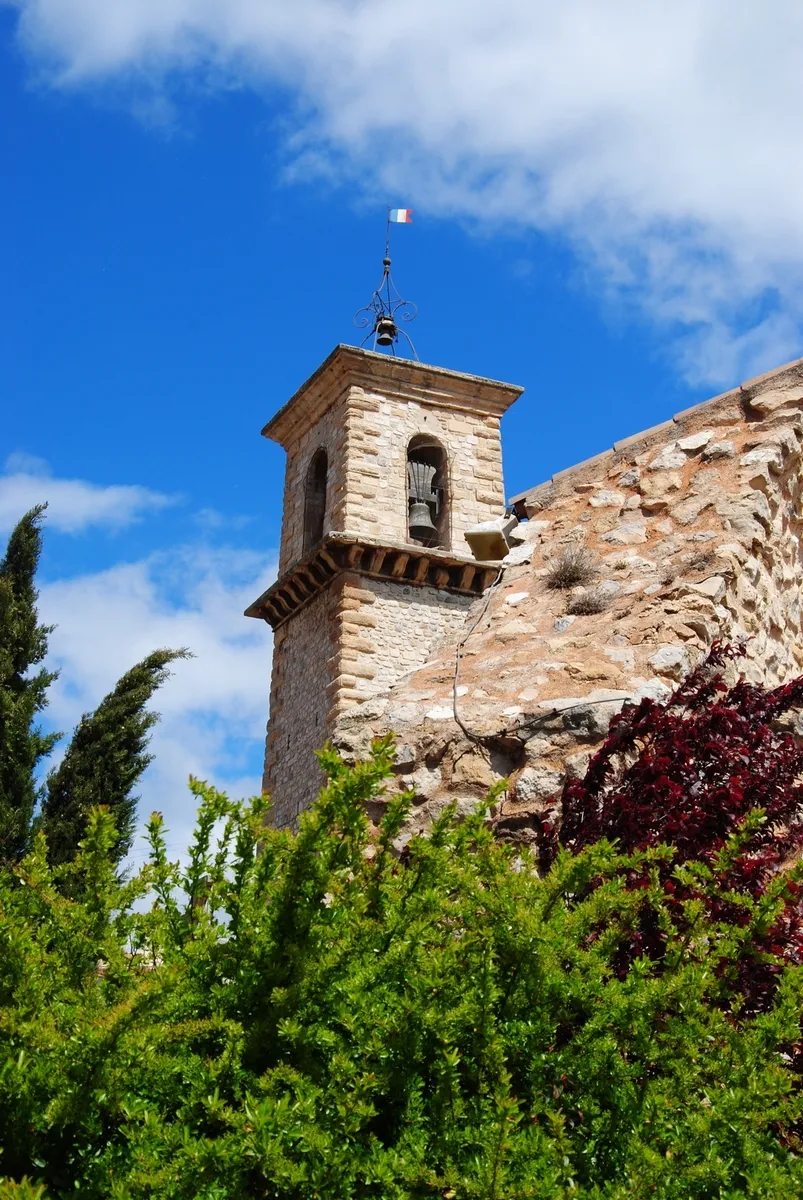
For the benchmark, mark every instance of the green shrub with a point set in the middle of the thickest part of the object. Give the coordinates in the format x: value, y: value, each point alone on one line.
x: 323, y: 1019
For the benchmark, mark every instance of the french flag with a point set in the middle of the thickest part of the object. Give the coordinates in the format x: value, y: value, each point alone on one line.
x: 401, y: 216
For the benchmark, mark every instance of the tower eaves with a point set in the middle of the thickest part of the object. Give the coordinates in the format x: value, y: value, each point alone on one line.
x: 400, y: 378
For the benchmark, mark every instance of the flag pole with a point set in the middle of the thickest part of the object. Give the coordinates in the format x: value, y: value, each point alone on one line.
x: 387, y: 236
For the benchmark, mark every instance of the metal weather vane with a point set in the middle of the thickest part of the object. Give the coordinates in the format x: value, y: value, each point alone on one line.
x: 386, y: 308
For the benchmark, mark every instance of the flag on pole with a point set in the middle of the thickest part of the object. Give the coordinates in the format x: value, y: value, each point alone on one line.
x: 401, y: 216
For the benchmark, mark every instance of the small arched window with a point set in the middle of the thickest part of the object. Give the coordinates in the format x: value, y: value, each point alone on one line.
x: 315, y: 499
x: 427, y: 493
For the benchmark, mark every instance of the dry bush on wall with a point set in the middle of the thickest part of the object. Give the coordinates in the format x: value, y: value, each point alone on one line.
x: 588, y: 603
x: 573, y: 567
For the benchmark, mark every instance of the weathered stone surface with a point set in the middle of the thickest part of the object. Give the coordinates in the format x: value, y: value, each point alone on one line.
x: 774, y: 398
x: 534, y: 785
x: 473, y: 770
x: 607, y: 499
x: 577, y: 764
x: 695, y: 441
x: 628, y: 533
x: 669, y: 459
x: 652, y: 486
x: 519, y: 554
x: 687, y: 512
x: 722, y: 449
x: 670, y: 660
x: 713, y: 587
x: 763, y: 454
x: 405, y: 758
x: 706, y: 480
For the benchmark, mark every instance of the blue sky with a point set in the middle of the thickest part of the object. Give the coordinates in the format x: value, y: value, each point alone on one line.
x: 193, y: 210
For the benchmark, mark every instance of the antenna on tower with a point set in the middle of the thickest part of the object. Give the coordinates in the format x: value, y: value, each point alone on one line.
x: 386, y: 308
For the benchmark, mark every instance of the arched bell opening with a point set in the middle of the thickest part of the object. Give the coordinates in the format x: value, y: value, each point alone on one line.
x: 427, y: 493
x: 315, y: 499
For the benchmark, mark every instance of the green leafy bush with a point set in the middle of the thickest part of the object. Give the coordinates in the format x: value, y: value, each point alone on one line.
x: 307, y: 1015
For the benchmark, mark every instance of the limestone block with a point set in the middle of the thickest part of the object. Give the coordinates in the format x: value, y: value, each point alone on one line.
x: 670, y: 458
x: 441, y: 712
x: 771, y: 455
x: 746, y: 594
x: 660, y: 484
x: 670, y: 660
x: 514, y: 629
x: 577, y: 764
x: 705, y: 630
x: 775, y: 398
x: 593, y: 719
x: 653, y: 689
x: 607, y: 499
x: 745, y: 516
x: 714, y: 450
x: 535, y: 785
x: 628, y: 533
x: 404, y: 759
x: 695, y: 441
x: 712, y: 588
x: 624, y: 655
x: 689, y: 510
x: 472, y: 770
x: 707, y: 479
x: 366, y: 619
x: 630, y: 478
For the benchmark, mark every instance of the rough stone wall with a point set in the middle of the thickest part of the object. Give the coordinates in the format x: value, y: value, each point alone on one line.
x: 695, y: 530
x: 408, y: 624
x: 299, y: 709
x: 349, y: 643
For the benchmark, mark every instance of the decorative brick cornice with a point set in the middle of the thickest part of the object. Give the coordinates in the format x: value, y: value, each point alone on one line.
x: 404, y: 564
x: 399, y: 378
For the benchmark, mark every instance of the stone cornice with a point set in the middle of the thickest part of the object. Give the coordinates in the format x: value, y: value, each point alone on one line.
x: 397, y: 378
x: 405, y: 564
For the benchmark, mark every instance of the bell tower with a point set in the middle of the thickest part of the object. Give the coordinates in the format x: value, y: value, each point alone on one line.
x: 390, y: 463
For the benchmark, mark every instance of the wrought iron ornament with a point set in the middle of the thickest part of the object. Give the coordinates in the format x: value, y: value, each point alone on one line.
x: 381, y: 316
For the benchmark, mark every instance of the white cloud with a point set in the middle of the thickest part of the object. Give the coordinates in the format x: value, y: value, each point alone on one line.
x: 73, y: 504
x: 214, y: 707
x: 664, y: 140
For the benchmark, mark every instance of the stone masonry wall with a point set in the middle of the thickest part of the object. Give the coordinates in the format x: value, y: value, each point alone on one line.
x: 299, y: 707
x: 378, y: 431
x: 408, y: 624
x: 695, y: 529
x: 366, y: 436
x: 330, y: 434
x: 348, y: 644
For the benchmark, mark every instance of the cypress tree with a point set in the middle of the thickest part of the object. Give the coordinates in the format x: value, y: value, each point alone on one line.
x: 23, y: 645
x: 104, y: 761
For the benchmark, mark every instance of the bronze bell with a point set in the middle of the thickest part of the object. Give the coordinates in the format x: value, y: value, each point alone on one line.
x: 420, y: 476
x: 420, y: 522
x: 386, y: 331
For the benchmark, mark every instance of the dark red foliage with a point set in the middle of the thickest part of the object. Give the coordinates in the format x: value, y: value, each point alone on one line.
x: 687, y: 773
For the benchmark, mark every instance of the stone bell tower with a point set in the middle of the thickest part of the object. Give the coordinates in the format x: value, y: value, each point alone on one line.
x: 389, y: 464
